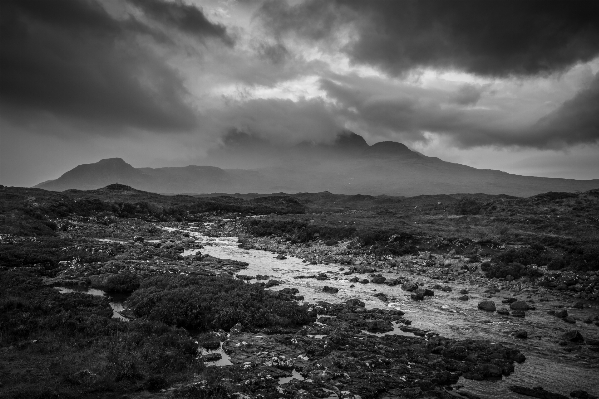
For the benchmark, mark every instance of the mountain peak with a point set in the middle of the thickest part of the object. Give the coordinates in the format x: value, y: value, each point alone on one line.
x: 350, y: 140
x: 115, y: 162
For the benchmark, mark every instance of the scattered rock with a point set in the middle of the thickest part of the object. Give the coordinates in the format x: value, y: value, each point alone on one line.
x: 487, y: 306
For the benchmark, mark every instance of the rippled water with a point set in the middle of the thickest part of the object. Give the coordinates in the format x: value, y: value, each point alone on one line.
x: 545, y: 366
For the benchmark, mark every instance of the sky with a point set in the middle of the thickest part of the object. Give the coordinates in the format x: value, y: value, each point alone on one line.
x: 508, y: 85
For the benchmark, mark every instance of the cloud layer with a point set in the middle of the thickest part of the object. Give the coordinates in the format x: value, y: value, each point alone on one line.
x: 73, y: 59
x: 491, y: 38
x: 175, y: 79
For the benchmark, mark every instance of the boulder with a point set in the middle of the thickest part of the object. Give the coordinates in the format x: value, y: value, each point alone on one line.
x: 519, y: 305
x: 409, y: 286
x: 330, y: 290
x: 378, y: 280
x: 573, y: 336
x: 487, y: 306
x: 522, y: 334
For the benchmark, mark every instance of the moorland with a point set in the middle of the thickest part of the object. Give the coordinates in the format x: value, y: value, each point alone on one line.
x: 116, y: 292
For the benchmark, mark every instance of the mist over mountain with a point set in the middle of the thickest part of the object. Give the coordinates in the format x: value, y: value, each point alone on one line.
x: 348, y: 165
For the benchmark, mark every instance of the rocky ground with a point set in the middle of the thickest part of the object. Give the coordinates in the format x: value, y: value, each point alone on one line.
x: 323, y: 318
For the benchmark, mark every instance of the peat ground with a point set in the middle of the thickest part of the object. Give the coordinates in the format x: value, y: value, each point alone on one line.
x: 183, y: 304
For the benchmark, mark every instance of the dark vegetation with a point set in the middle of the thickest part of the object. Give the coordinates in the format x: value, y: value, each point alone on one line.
x: 560, y: 230
x: 83, y: 350
x: 212, y: 303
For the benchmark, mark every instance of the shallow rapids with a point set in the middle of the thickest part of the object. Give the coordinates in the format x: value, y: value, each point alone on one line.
x: 545, y: 366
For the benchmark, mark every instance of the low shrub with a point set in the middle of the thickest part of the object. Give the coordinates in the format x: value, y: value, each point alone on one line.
x: 210, y: 303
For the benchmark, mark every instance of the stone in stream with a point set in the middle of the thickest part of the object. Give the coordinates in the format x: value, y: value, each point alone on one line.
x: 503, y: 311
x: 578, y: 305
x: 573, y: 336
x: 518, y: 313
x: 409, y: 286
x: 378, y: 280
x: 330, y: 290
x: 487, y: 306
x: 382, y: 297
x: 522, y: 334
x: 281, y: 257
x: 364, y: 281
x: 561, y: 313
x: 519, y: 305
x: 463, y: 298
x: 212, y: 357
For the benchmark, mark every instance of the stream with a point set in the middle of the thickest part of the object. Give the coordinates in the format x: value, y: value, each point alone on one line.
x: 546, y: 365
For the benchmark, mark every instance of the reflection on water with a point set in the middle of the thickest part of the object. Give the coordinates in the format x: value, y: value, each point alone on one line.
x: 115, y: 301
x: 225, y: 359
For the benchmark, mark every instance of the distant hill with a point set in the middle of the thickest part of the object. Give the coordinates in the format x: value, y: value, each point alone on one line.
x: 347, y: 166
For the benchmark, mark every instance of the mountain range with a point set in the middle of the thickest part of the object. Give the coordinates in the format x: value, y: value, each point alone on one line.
x: 347, y: 166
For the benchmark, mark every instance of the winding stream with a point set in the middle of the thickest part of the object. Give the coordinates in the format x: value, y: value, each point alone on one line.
x: 546, y: 364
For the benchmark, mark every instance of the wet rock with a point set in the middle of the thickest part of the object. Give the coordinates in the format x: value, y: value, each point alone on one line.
x: 578, y: 305
x: 503, y: 311
x: 378, y: 280
x: 464, y: 291
x: 212, y: 357
x: 354, y: 303
x: 573, y: 336
x: 409, y: 286
x: 382, y: 297
x: 519, y: 305
x: 322, y: 276
x: 354, y: 280
x: 364, y: 281
x: 487, y: 306
x: 417, y: 296
x: 281, y: 257
x: 378, y: 326
x: 537, y: 392
x: 330, y: 290
x: 463, y: 298
x: 522, y: 334
x: 570, y: 320
x: 563, y: 313
x: 518, y: 313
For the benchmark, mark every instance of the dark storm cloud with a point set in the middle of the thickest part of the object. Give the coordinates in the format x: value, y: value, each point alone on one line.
x: 408, y: 117
x: 491, y: 38
x: 72, y: 59
x: 183, y: 17
x: 575, y: 121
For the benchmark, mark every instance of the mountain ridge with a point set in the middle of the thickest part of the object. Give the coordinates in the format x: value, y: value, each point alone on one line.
x: 347, y: 166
